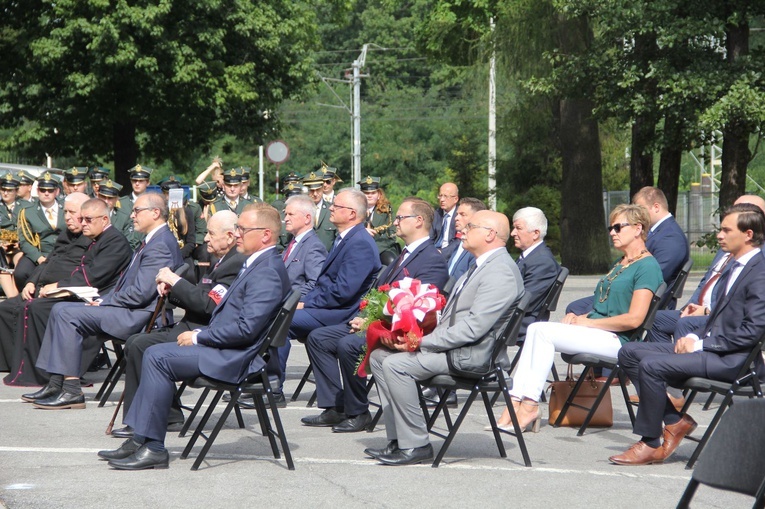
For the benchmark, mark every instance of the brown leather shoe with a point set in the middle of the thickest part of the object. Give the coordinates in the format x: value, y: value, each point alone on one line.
x: 674, y: 434
x: 639, y: 454
x: 634, y: 398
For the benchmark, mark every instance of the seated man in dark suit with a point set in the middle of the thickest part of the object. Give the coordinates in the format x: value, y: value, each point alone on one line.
x: 346, y: 404
x: 347, y: 273
x: 695, y: 312
x: 666, y: 242
x: 305, y: 254
x: 476, y: 311
x: 65, y: 257
x: 120, y: 313
x: 718, y: 350
x: 198, y: 300
x: 225, y: 350
x: 107, y: 254
x: 443, y: 231
x: 459, y: 259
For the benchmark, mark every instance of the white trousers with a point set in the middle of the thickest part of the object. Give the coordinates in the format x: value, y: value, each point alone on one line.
x: 543, y: 339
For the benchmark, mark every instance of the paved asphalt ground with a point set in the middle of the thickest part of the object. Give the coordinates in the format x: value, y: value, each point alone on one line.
x: 48, y: 460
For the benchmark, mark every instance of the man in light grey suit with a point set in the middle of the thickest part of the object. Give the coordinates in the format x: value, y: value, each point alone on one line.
x: 305, y: 254
x: 462, y: 341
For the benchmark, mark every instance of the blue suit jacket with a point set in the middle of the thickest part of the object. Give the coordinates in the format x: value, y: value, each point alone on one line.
x: 463, y: 262
x: 736, y: 323
x: 241, y: 319
x: 669, y: 246
x: 135, y: 293
x: 347, y: 274
x: 710, y: 271
x: 539, y: 271
x: 305, y: 262
x: 425, y: 264
x: 437, y: 226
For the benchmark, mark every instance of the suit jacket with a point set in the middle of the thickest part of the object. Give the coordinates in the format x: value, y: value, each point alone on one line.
x: 425, y: 264
x: 66, y: 255
x: 196, y: 299
x: 347, y: 274
x: 539, y: 271
x: 437, y: 226
x: 708, y: 274
x: 135, y: 294
x: 385, y: 239
x: 736, y: 322
x: 105, y: 259
x: 479, y: 309
x: 305, y: 262
x: 669, y: 246
x: 240, y: 321
x: 326, y: 230
x: 463, y: 262
x: 125, y: 206
x: 35, y: 222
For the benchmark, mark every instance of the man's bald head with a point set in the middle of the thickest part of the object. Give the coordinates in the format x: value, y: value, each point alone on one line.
x: 76, y: 199
x: 485, y: 232
x: 753, y: 199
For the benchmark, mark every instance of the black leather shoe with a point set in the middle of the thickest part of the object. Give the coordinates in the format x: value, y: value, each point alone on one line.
x: 328, y: 417
x: 142, y: 459
x: 174, y: 427
x: 61, y: 400
x: 407, y: 456
x: 126, y: 432
x: 353, y: 424
x: 432, y: 399
x: 388, y: 449
x: 281, y: 401
x: 127, y: 448
x: 44, y: 393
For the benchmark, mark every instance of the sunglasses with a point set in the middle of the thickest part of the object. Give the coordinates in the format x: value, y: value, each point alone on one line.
x: 618, y: 227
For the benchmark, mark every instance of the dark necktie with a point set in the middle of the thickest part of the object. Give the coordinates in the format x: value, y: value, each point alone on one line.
x: 398, y: 263
x: 241, y: 271
x: 135, y: 257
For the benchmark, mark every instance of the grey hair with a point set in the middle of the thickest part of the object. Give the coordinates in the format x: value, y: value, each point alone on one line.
x: 534, y: 218
x: 304, y: 204
x: 225, y: 219
x: 358, y: 201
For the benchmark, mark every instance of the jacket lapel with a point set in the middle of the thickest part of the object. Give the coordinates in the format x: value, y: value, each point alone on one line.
x: 753, y: 263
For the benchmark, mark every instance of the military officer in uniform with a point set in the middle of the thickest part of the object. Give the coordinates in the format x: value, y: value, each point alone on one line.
x: 232, y: 182
x: 379, y: 222
x: 329, y: 179
x: 96, y: 175
x: 9, y: 239
x: 139, y: 181
x: 75, y: 180
x: 322, y: 225
x: 25, y: 187
x: 244, y: 190
x: 38, y: 227
x: 109, y: 191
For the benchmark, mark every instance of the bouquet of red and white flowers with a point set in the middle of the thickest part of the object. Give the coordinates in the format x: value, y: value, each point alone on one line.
x: 404, y: 312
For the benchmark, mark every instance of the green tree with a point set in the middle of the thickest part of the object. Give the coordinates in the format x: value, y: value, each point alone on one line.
x: 149, y: 79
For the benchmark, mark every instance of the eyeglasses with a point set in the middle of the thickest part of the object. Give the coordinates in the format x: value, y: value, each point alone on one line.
x: 137, y: 210
x: 471, y: 226
x: 400, y: 218
x: 335, y: 205
x: 243, y: 231
x: 328, y: 181
x: 86, y: 219
x: 618, y: 227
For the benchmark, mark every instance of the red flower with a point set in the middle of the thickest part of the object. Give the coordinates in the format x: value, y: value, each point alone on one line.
x: 384, y: 288
x: 363, y: 304
x: 442, y: 300
x: 395, y: 284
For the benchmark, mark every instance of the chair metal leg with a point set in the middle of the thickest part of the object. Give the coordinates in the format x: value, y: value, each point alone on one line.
x: 111, y: 374
x: 709, y: 401
x: 312, y: 399
x: 627, y: 401
x: 570, y: 399
x: 690, y: 490
x: 265, y: 425
x: 302, y: 382
x: 598, y: 399
x: 200, y: 427
x: 194, y: 412
x: 278, y: 424
x: 453, y: 430
x: 118, y: 370
x: 516, y: 425
x: 710, y: 429
x: 217, y: 428
x: 493, y: 423
x: 373, y: 423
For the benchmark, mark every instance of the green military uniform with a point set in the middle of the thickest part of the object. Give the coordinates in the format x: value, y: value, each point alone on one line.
x: 126, y: 203
x: 232, y: 176
x: 36, y: 235
x: 380, y: 220
x: 9, y: 211
x: 324, y: 228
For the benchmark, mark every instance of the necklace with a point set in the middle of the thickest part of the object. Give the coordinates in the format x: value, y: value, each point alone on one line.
x: 611, y: 276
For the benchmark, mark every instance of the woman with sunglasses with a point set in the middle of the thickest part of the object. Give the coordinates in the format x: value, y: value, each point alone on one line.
x: 622, y: 299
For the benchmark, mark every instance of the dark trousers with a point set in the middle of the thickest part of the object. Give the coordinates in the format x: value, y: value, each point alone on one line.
x: 23, y: 271
x: 135, y: 348
x: 334, y: 354
x: 581, y: 306
x: 302, y: 325
x: 9, y: 317
x: 163, y: 365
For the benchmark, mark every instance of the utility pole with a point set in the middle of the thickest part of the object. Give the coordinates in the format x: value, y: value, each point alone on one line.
x: 492, y: 128
x: 358, y: 64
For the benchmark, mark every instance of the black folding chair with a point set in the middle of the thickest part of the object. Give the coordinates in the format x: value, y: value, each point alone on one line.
x: 256, y: 384
x: 746, y: 384
x: 592, y: 361
x: 678, y: 285
x: 495, y: 380
x: 733, y: 459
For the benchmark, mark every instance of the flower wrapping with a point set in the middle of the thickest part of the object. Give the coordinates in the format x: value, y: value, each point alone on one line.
x: 411, y: 306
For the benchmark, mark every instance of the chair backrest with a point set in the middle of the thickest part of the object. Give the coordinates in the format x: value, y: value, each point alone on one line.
x: 277, y: 332
x: 551, y: 300
x: 640, y: 332
x: 509, y: 334
x: 732, y: 459
x: 678, y: 285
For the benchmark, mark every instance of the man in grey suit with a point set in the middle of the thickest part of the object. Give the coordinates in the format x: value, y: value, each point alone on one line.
x: 462, y: 341
x: 305, y: 253
x: 121, y: 313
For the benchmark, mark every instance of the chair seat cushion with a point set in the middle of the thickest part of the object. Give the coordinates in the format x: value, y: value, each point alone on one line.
x: 453, y: 383
x: 708, y: 385
x: 591, y: 359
